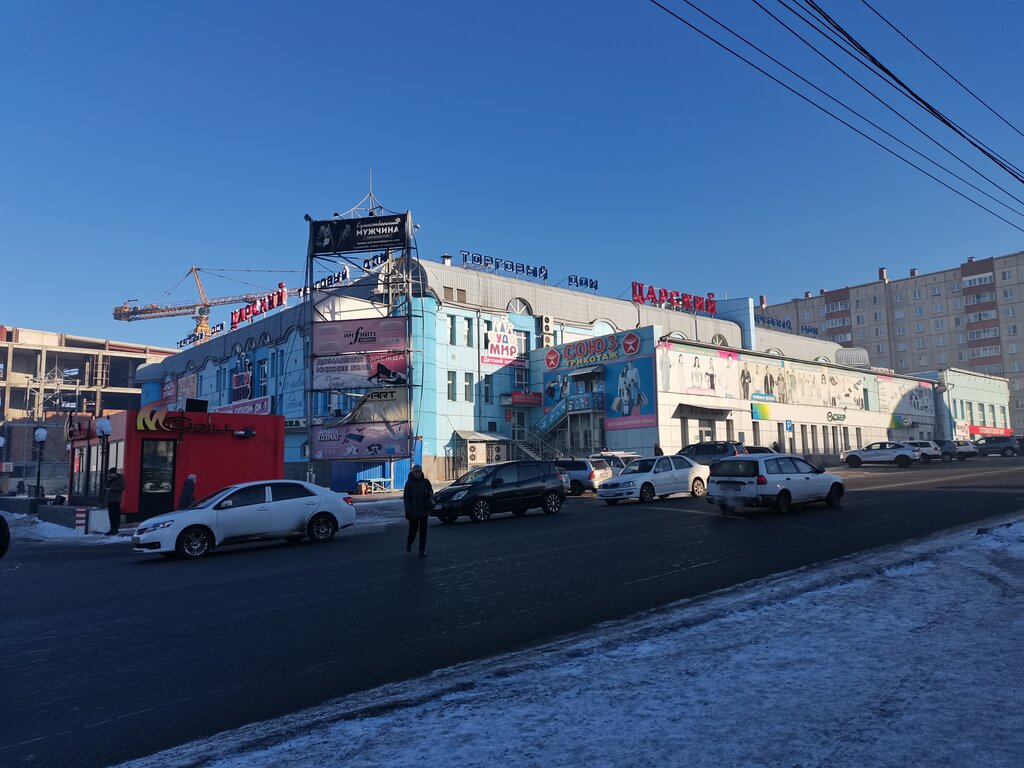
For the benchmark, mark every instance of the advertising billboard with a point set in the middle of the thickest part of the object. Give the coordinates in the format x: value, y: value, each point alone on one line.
x: 370, y: 233
x: 373, y: 334
x: 388, y: 369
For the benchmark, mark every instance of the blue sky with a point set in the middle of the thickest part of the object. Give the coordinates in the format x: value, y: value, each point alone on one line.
x: 601, y: 139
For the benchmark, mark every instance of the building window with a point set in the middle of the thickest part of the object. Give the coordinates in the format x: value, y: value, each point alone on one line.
x: 938, y: 325
x: 901, y: 347
x: 522, y: 342
x: 1006, y: 274
x: 522, y: 380
x: 451, y: 386
x: 940, y: 341
x: 487, y: 388
x: 859, y: 320
x: 452, y: 333
x: 468, y: 387
x: 958, y: 304
x: 860, y: 335
x: 985, y: 279
x: 919, y: 328
x: 899, y: 314
x: 448, y: 293
x: 874, y: 299
x: 878, y: 333
x: 937, y: 308
x: 1012, y: 348
x: 858, y: 303
x: 805, y: 314
x: 880, y: 348
x: 956, y: 287
x: 1007, y: 293
x: 936, y: 291
x: 460, y: 295
x: 1011, y: 312
x: 918, y: 311
x: 469, y: 332
x: 901, y: 331
x: 943, y: 358
x: 921, y: 344
x: 897, y: 297
x: 916, y: 295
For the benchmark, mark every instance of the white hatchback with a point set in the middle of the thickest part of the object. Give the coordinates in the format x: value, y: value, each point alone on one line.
x: 247, y: 512
x: 771, y: 480
x: 659, y: 476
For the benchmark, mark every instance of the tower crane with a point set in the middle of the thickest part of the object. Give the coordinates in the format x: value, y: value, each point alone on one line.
x: 200, y: 311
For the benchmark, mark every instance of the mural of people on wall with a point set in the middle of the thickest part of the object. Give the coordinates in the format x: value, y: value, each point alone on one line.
x: 745, y: 382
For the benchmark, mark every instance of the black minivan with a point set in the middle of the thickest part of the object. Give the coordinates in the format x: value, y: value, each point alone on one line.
x: 514, y: 486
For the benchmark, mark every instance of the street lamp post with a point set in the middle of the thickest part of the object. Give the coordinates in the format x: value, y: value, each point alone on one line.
x: 103, y: 430
x: 2, y: 443
x: 40, y: 437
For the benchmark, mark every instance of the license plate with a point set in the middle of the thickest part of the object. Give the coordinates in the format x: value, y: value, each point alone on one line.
x: 135, y: 539
x: 730, y: 486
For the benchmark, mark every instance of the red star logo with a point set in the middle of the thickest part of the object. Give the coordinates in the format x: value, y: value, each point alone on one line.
x: 552, y: 358
x: 630, y: 343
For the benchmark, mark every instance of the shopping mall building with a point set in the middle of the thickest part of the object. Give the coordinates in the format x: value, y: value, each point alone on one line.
x: 495, y: 363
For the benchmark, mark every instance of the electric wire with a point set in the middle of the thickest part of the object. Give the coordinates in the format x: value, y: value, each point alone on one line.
x: 924, y: 104
x: 946, y: 71
x: 885, y: 104
x: 834, y: 116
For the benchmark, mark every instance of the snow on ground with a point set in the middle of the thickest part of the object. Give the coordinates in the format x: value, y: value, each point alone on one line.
x: 906, y: 656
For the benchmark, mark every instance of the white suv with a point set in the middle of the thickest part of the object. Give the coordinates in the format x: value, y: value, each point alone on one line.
x: 885, y: 452
x: 930, y: 450
x: 771, y: 480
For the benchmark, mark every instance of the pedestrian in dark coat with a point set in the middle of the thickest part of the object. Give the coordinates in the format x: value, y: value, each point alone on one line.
x: 115, y: 490
x: 657, y: 450
x: 188, y: 493
x: 418, y: 498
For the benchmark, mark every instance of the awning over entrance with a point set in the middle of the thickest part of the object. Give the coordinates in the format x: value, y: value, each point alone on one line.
x: 590, y: 370
x: 683, y: 411
x: 479, y: 437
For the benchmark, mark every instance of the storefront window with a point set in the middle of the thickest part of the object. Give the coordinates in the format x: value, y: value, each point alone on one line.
x: 156, y: 480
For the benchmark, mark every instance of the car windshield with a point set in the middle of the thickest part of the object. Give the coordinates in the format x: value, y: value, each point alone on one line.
x: 639, y: 467
x: 474, y: 476
x: 206, y: 500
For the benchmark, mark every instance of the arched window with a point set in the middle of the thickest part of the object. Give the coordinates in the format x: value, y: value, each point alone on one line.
x: 719, y: 340
x: 822, y: 359
x: 604, y: 327
x: 519, y: 306
x: 774, y: 351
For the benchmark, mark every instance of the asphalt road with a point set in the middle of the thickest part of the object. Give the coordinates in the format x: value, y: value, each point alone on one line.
x: 109, y: 656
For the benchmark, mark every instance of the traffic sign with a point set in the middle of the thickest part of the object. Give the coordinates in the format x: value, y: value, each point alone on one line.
x: 789, y: 425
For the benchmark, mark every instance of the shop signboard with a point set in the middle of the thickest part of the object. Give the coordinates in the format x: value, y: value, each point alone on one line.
x: 371, y: 334
x: 630, y: 394
x: 260, y: 406
x: 979, y: 431
x: 502, y: 347
x: 526, y: 398
x: 388, y: 369
x: 361, y: 440
x: 370, y: 233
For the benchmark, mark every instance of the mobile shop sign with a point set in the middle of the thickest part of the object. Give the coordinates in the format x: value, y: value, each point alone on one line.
x: 375, y: 334
x: 370, y: 233
x: 265, y: 303
x: 389, y: 369
x: 503, y: 265
x: 681, y: 302
x: 503, y: 347
x: 361, y: 441
x: 592, y: 351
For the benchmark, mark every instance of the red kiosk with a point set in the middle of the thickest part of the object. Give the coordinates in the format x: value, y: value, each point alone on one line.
x: 156, y: 449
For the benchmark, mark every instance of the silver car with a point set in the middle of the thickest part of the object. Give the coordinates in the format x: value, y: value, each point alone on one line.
x: 884, y: 452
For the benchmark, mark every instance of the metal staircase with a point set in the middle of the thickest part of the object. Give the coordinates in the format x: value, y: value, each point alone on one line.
x: 536, y: 445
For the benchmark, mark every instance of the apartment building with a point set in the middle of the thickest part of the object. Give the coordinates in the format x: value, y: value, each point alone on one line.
x: 968, y: 317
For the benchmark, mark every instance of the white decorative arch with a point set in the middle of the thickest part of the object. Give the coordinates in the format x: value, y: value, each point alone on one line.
x: 519, y: 306
x: 719, y: 340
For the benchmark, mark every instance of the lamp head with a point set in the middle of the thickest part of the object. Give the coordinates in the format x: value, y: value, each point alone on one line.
x: 39, y: 435
x: 103, y: 427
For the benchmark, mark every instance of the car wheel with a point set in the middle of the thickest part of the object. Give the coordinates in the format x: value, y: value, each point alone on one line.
x: 902, y: 462
x: 481, y: 511
x: 194, y: 543
x: 646, y: 493
x: 611, y: 502
x: 322, y: 527
x: 576, y: 488
x: 853, y: 461
x: 447, y: 519
x: 926, y: 459
x: 947, y: 457
x: 783, y: 502
x: 1009, y: 452
x: 698, y: 488
x: 552, y: 503
x: 835, y: 496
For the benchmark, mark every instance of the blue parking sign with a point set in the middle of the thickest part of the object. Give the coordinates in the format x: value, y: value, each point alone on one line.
x: 789, y: 425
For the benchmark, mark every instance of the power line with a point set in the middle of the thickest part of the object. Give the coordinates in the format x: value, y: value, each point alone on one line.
x: 946, y: 71
x: 834, y: 116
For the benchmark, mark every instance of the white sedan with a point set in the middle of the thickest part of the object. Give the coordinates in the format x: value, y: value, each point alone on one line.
x: 247, y: 512
x: 659, y: 476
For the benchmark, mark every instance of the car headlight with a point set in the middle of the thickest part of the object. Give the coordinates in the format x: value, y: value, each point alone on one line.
x: 459, y: 495
x: 157, y: 526
x: 629, y: 484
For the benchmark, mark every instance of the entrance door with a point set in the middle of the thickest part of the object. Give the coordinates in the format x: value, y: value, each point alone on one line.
x: 156, y: 478
x: 518, y: 425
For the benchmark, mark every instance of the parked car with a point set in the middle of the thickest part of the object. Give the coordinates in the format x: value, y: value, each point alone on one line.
x: 771, y: 480
x: 247, y: 512
x: 709, y: 453
x: 885, y: 452
x: 993, y: 446
x: 659, y: 476
x: 566, y: 483
x: 957, y: 449
x: 617, y: 460
x: 759, y: 449
x: 585, y: 474
x: 5, y: 536
x: 512, y: 486
x: 930, y: 449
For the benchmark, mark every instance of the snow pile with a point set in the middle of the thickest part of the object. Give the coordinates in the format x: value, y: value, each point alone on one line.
x: 31, y: 528
x: 904, y: 656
